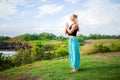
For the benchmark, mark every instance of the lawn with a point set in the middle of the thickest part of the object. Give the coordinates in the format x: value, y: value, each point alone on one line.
x: 93, y: 67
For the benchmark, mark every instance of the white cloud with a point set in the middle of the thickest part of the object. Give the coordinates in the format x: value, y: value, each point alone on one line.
x: 71, y: 1
x: 99, y: 12
x: 16, y: 2
x: 9, y: 8
x: 49, y: 9
x: 43, y: 0
x: 13, y: 29
x: 6, y: 9
x: 56, y: 29
x: 98, y: 16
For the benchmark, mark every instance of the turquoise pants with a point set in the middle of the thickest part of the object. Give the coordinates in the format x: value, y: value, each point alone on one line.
x: 74, y: 53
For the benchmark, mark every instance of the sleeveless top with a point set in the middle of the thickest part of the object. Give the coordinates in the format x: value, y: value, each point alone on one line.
x: 74, y: 32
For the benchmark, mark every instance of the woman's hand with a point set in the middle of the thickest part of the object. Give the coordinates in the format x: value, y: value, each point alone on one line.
x: 67, y: 26
x: 74, y: 27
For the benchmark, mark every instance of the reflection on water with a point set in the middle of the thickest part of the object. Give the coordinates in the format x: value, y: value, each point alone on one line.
x: 7, y: 53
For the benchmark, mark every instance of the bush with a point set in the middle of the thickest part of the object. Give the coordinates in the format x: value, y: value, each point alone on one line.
x: 62, y: 51
x: 48, y: 47
x: 47, y: 55
x: 5, y: 62
x: 115, y: 47
x: 23, y: 56
x: 94, y: 48
x: 100, y: 48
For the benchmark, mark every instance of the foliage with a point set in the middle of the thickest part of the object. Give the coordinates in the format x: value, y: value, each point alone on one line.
x: 62, y: 38
x: 60, y: 52
x: 5, y: 62
x: 41, y: 36
x: 99, y: 36
x: 100, y: 46
x: 23, y: 56
x: 48, y: 47
x: 53, y: 50
x: 39, y: 52
x: 94, y: 48
x: 51, y: 36
x: 82, y: 37
x: 3, y: 38
x: 114, y: 47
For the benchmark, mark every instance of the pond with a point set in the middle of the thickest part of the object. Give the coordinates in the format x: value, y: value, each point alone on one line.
x: 8, y: 53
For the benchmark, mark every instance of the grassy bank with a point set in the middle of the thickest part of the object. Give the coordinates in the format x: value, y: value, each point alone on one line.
x: 91, y: 68
x: 100, y: 46
x: 49, y: 49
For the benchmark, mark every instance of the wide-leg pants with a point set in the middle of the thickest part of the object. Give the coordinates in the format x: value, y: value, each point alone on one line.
x: 74, y: 53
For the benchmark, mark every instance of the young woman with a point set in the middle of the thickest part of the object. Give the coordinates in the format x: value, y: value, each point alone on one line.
x: 73, y: 45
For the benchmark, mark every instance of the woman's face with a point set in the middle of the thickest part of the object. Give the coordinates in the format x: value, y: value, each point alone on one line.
x: 72, y: 18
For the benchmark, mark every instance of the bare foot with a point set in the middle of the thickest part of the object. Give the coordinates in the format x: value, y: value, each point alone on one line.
x: 73, y: 70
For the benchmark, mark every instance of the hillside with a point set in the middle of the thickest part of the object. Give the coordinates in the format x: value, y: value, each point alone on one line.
x: 93, y: 67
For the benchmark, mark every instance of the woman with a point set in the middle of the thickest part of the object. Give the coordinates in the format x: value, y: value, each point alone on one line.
x: 73, y: 45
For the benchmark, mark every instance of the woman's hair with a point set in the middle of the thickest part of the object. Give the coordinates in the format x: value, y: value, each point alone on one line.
x: 76, y: 20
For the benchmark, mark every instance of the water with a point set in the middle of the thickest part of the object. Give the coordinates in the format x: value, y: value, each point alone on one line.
x: 7, y: 53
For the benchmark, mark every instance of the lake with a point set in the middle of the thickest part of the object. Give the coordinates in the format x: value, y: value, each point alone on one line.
x: 7, y: 53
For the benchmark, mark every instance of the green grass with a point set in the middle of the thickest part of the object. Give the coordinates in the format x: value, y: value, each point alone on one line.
x: 91, y: 68
x: 45, y: 41
x: 39, y: 41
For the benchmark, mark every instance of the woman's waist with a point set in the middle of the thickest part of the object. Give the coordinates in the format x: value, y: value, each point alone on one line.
x: 72, y: 36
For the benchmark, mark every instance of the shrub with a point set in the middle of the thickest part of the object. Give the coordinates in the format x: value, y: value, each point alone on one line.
x: 115, y: 47
x: 94, y: 48
x: 5, y: 62
x: 100, y: 48
x: 62, y: 51
x: 47, y: 55
x: 23, y: 56
x: 48, y: 47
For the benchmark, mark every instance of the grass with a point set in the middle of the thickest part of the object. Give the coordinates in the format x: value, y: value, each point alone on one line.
x: 102, y: 41
x: 100, y: 45
x: 91, y: 68
x: 45, y: 41
x: 39, y: 41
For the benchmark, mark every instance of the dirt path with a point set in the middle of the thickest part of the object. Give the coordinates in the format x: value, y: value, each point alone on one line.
x: 107, y: 55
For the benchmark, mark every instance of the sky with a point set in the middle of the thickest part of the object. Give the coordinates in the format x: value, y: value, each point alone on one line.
x: 36, y: 16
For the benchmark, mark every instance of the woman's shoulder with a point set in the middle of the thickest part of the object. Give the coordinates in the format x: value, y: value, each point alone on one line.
x: 75, y: 25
